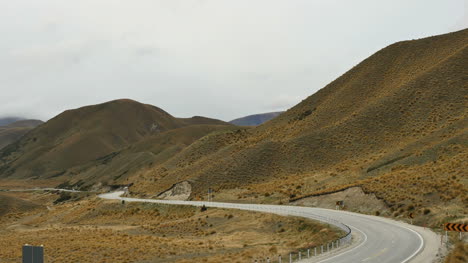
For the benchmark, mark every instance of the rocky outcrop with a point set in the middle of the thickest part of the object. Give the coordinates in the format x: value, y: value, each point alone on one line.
x: 179, y: 191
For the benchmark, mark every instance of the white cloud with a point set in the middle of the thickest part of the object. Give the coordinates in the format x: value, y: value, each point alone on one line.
x: 215, y: 58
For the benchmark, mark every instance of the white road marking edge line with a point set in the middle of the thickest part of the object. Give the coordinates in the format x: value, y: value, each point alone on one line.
x: 420, y: 246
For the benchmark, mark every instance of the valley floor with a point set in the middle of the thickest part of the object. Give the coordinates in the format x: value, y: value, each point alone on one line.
x: 87, y: 229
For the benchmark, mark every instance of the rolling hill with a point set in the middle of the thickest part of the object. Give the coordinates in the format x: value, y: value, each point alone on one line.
x: 11, y: 204
x: 394, y: 125
x: 256, y: 119
x: 13, y: 131
x: 92, y: 138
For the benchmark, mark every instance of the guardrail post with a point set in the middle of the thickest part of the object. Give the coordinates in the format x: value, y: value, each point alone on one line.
x: 328, y: 247
x: 333, y: 244
x: 279, y: 259
x: 322, y: 249
x: 308, y: 253
x: 268, y: 260
x: 300, y: 255
x: 315, y: 251
x: 290, y: 257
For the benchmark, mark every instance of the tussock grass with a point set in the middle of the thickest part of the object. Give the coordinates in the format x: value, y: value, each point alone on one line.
x: 93, y: 230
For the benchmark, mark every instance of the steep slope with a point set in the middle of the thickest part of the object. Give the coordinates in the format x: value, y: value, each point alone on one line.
x: 13, y: 131
x: 89, y: 134
x: 396, y: 119
x: 256, y: 119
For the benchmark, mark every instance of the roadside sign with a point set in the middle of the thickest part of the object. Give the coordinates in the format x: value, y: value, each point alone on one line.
x: 339, y: 204
x: 33, y: 254
x: 456, y: 227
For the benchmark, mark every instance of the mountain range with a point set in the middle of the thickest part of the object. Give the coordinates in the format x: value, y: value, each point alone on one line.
x: 101, y: 141
x: 394, y: 125
x: 13, y: 128
x: 256, y: 119
x: 7, y: 120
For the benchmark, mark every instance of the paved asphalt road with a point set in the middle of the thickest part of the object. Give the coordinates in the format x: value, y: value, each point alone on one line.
x: 376, y: 239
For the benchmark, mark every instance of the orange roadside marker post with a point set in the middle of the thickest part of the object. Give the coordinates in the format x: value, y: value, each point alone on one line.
x: 455, y: 227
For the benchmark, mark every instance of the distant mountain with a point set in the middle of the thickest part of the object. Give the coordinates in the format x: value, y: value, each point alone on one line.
x: 7, y: 120
x: 256, y: 119
x: 108, y: 139
x: 13, y: 131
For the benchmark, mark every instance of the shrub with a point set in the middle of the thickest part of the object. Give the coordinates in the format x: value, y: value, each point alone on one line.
x: 64, y: 196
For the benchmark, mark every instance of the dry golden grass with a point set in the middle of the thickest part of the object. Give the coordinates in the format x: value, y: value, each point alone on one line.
x: 459, y: 254
x: 92, y: 230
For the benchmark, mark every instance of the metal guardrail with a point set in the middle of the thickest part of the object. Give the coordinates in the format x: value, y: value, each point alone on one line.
x: 293, y: 256
x: 304, y: 253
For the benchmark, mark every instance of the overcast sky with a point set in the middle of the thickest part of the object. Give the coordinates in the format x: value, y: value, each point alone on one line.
x: 215, y: 58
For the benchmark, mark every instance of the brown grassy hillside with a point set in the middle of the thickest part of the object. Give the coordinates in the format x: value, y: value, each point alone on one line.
x: 78, y: 141
x: 12, y: 205
x: 394, y: 124
x: 13, y: 131
x: 143, y: 232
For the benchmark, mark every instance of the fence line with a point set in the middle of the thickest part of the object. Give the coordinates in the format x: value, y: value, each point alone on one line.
x: 304, y: 253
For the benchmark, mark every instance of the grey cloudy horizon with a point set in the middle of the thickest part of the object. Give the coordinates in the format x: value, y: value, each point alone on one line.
x: 213, y: 58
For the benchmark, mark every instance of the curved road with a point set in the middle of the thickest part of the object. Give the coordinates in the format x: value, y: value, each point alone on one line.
x: 376, y: 239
